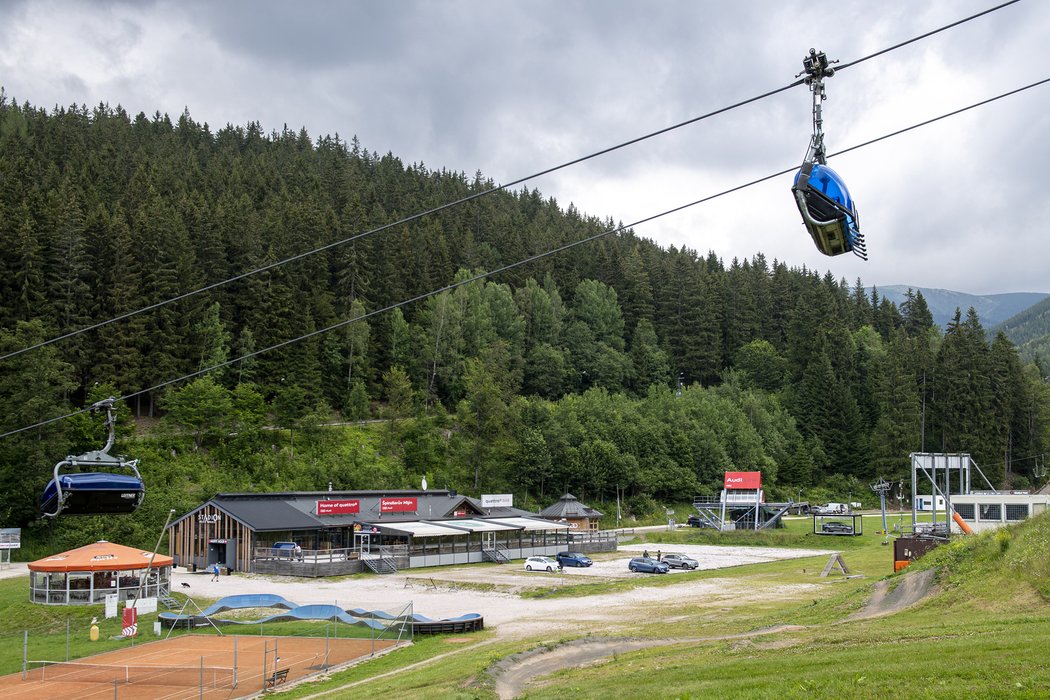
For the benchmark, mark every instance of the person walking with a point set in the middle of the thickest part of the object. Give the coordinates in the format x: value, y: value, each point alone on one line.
x: 215, y: 572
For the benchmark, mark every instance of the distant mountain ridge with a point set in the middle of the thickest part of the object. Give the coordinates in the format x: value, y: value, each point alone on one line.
x: 1030, y: 330
x: 992, y: 309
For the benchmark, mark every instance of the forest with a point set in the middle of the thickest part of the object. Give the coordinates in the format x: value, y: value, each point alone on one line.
x: 612, y: 368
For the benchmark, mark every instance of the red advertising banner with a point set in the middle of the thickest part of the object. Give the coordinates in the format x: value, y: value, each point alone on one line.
x: 743, y: 480
x: 344, y: 507
x: 397, y: 505
x: 130, y: 622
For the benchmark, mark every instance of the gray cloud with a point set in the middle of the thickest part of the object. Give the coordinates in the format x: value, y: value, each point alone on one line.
x: 512, y: 88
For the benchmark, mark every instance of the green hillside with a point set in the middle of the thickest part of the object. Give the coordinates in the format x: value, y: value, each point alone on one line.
x: 1030, y: 332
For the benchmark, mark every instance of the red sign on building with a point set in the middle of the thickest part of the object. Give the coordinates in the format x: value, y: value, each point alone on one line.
x: 344, y: 507
x: 743, y: 480
x: 397, y: 505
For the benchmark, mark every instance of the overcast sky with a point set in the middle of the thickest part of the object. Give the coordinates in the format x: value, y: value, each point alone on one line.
x: 512, y: 88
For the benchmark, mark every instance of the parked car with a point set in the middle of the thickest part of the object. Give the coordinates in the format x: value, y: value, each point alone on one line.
x: 286, y: 550
x: 836, y: 528
x: 541, y: 564
x: 573, y: 559
x: 694, y: 521
x: 831, y: 509
x: 680, y: 561
x: 647, y: 565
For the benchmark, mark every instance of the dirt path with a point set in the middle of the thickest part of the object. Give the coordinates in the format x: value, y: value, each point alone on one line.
x: 515, y: 673
x: 909, y: 590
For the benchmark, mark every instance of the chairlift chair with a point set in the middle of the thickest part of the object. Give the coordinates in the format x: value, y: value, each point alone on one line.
x: 827, y: 208
x: 97, y: 491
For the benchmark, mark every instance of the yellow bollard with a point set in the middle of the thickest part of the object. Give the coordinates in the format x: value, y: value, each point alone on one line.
x: 94, y: 633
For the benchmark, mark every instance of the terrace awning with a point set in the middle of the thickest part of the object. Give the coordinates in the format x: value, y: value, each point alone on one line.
x: 531, y: 523
x: 481, y: 525
x: 101, y: 556
x: 419, y: 528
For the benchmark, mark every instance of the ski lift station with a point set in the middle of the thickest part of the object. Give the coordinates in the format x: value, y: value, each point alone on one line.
x: 942, y: 485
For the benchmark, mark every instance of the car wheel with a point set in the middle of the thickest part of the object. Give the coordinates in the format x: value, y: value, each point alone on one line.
x: 528, y: 567
x: 631, y: 568
x: 549, y: 569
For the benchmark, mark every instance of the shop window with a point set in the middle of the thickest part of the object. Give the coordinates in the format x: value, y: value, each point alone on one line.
x: 1016, y: 511
x: 991, y: 511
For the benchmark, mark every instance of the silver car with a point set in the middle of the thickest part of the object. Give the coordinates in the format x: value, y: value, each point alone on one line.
x: 680, y: 561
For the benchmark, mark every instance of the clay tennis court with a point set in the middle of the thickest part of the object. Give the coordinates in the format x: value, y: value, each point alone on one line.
x: 171, y: 669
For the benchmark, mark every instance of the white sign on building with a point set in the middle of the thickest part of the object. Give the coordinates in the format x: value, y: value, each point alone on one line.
x: 497, y: 500
x: 143, y: 605
x: 10, y: 538
x: 111, y: 605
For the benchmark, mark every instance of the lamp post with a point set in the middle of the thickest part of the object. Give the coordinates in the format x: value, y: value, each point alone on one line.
x: 152, y: 556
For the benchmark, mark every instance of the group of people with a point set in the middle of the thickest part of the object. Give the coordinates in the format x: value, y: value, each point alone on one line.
x: 658, y: 554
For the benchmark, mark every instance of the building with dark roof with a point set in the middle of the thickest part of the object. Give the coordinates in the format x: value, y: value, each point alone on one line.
x: 571, y: 511
x: 321, y: 533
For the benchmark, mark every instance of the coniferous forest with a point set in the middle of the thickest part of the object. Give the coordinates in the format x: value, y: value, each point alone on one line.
x: 616, y: 367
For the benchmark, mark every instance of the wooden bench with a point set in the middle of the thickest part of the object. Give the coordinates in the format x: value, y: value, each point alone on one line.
x: 277, y: 678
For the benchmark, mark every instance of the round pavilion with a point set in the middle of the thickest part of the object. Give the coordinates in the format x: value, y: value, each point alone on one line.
x: 88, y: 574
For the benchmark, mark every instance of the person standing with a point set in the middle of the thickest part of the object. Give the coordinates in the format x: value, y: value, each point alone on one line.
x: 215, y: 572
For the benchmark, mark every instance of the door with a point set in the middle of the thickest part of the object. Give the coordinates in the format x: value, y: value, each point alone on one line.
x: 363, y: 544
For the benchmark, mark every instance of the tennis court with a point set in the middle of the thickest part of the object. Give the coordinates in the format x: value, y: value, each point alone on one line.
x: 188, y: 666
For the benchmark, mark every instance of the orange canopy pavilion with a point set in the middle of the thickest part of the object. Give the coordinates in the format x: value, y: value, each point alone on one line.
x: 88, y: 574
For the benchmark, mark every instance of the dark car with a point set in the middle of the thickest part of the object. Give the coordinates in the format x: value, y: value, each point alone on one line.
x: 648, y: 566
x: 695, y: 521
x: 286, y: 550
x: 680, y: 561
x: 573, y: 559
x: 835, y: 528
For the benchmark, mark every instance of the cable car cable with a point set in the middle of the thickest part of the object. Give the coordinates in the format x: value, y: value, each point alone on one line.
x: 478, y: 195
x: 519, y: 263
x: 924, y: 36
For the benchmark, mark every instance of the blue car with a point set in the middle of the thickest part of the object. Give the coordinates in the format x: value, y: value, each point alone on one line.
x: 647, y: 565
x: 574, y: 559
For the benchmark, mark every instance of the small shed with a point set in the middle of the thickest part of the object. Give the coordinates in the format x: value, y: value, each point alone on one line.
x: 569, y: 510
x: 88, y: 574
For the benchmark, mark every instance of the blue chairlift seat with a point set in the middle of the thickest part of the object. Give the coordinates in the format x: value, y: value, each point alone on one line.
x: 93, y: 493
x: 828, y: 210
x: 89, y: 486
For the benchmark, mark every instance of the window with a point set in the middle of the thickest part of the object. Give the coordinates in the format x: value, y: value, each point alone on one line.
x: 965, y: 510
x: 991, y: 511
x: 1016, y: 511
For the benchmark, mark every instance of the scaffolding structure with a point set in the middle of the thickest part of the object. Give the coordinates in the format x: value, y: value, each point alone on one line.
x: 741, y: 505
x: 939, y: 471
